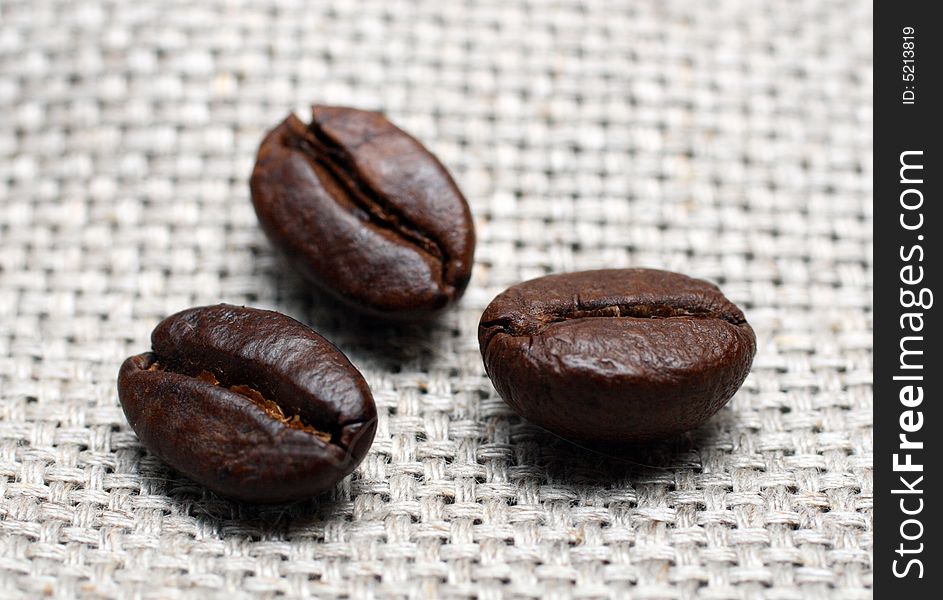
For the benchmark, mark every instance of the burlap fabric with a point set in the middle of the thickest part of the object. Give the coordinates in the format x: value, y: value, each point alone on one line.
x: 728, y: 140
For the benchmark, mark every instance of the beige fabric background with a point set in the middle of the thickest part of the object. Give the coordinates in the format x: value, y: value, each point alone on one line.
x: 729, y: 140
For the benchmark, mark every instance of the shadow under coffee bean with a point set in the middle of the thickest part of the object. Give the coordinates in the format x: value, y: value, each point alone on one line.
x: 616, y: 355
x: 250, y: 403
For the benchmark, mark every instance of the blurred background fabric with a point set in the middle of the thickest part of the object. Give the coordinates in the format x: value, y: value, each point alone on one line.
x: 728, y: 140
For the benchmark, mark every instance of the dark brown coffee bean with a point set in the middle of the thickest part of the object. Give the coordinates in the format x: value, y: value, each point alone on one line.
x: 618, y: 355
x: 365, y: 212
x: 250, y: 403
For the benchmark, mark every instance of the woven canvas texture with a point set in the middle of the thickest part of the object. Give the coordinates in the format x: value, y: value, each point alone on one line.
x: 728, y: 140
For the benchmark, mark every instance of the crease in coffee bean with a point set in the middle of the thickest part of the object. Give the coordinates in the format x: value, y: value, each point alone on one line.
x: 626, y: 311
x: 638, y: 310
x: 270, y: 407
x: 316, y: 146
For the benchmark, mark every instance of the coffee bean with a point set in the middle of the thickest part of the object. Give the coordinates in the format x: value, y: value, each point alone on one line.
x: 365, y: 212
x: 250, y: 403
x: 618, y: 355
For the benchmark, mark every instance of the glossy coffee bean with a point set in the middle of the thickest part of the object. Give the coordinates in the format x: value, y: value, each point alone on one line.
x: 250, y: 403
x: 618, y: 355
x: 365, y: 212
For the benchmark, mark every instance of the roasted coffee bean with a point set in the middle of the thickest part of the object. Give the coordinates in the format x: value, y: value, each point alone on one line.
x: 250, y: 403
x: 618, y: 355
x: 365, y: 212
